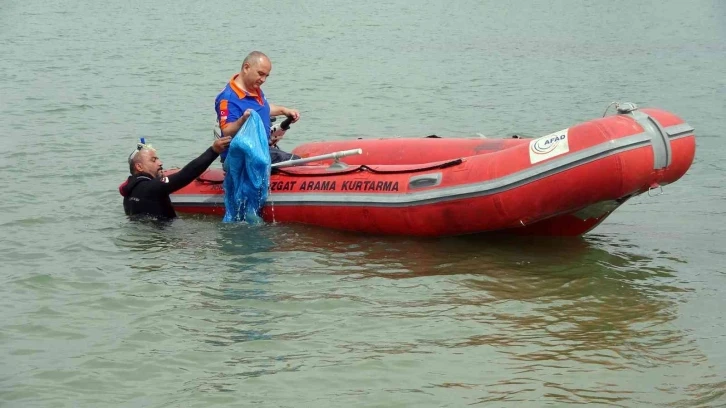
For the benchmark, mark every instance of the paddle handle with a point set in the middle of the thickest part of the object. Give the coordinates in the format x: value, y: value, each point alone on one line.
x: 334, y: 155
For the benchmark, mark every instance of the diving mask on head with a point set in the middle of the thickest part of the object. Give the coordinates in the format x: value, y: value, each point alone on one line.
x: 141, y: 146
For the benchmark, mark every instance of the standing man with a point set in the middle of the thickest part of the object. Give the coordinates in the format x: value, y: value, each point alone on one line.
x: 242, y: 93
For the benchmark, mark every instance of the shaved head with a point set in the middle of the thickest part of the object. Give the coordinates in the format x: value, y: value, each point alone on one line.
x: 134, y: 158
x: 254, y: 58
x: 146, y: 159
x: 255, y: 69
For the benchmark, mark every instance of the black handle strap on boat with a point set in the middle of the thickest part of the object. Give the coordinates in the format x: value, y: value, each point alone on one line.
x: 434, y: 167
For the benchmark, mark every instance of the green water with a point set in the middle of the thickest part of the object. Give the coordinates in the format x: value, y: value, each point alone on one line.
x: 99, y: 311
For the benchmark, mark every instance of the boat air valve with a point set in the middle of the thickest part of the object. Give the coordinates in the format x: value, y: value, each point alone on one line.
x: 626, y: 107
x: 622, y: 108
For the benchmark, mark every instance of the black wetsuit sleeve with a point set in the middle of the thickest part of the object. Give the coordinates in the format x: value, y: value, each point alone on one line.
x: 191, y: 171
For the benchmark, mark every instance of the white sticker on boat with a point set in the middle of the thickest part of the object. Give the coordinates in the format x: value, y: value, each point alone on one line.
x: 548, y: 146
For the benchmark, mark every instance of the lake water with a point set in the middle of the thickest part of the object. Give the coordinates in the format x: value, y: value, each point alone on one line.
x: 99, y: 311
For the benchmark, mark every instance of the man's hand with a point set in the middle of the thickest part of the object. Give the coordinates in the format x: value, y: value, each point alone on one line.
x: 220, y: 144
x: 292, y: 113
x: 232, y: 128
x: 241, y: 121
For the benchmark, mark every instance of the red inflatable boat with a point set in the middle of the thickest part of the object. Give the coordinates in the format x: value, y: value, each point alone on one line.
x: 564, y: 183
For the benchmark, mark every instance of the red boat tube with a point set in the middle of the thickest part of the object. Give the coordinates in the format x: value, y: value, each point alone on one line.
x: 564, y: 183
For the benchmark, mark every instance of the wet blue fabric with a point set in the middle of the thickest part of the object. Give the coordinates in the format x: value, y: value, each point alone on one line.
x: 247, y: 168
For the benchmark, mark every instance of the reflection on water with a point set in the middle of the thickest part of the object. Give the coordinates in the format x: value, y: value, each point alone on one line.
x: 296, y: 298
x: 258, y: 301
x: 99, y: 311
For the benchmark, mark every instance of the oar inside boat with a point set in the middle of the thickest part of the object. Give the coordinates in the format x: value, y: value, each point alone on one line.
x: 334, y: 155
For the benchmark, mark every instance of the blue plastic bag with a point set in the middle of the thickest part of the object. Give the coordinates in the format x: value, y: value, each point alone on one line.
x: 247, y: 177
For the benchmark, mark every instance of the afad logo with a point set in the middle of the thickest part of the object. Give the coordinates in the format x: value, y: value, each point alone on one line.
x: 549, y: 143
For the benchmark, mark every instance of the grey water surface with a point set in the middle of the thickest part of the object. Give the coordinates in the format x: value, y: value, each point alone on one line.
x: 100, y: 311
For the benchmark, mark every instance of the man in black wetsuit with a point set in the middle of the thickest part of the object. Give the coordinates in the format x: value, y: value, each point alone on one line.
x: 146, y: 192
